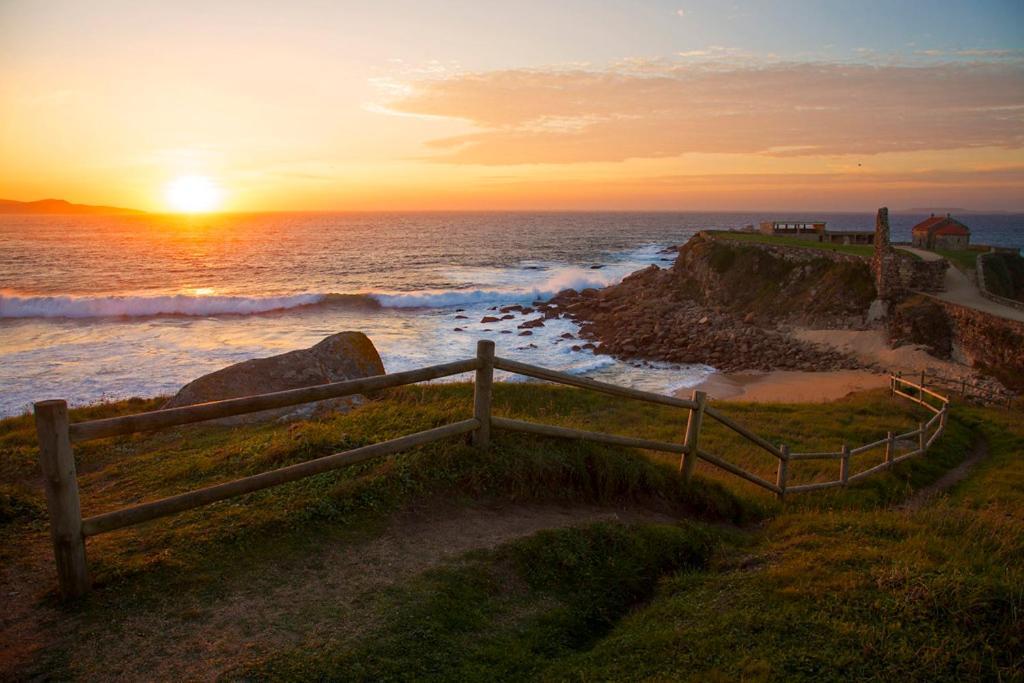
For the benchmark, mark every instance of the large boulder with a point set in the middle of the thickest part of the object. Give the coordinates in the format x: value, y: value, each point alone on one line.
x: 346, y: 355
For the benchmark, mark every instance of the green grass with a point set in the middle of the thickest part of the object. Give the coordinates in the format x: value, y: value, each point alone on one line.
x: 827, y: 591
x: 832, y: 585
x: 1004, y: 275
x: 862, y: 250
x: 120, y: 471
x: 964, y: 260
x: 506, y: 614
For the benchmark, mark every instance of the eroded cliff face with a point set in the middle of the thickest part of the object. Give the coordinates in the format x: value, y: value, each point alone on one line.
x: 776, y: 284
x: 726, y: 304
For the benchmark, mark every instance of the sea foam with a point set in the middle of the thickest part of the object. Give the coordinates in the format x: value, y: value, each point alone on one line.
x: 17, y: 305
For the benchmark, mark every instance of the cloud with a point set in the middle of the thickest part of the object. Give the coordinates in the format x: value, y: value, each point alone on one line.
x: 525, y: 116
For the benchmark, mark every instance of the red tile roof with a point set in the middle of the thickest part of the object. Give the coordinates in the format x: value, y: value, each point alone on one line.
x: 952, y: 227
x: 928, y: 223
x: 941, y: 225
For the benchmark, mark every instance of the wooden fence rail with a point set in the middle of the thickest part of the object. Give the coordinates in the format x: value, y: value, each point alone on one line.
x: 69, y: 530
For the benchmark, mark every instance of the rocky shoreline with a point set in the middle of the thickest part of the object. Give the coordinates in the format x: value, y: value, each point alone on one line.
x: 646, y: 318
x: 694, y: 312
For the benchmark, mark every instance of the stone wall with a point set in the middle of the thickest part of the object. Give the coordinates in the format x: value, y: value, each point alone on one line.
x: 987, y: 342
x: 923, y: 276
x: 898, y: 274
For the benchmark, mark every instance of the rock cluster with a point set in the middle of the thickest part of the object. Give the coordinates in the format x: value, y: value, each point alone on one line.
x: 648, y: 317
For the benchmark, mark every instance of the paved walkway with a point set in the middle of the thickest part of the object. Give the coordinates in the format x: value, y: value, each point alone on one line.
x: 960, y: 290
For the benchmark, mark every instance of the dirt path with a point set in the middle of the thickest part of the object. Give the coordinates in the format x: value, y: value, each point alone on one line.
x: 960, y: 290
x: 286, y: 603
x: 948, y: 480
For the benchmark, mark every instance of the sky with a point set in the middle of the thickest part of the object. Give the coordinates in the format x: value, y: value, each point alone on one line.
x: 309, y: 105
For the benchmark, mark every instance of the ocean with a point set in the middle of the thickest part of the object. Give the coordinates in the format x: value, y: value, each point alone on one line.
x: 106, y: 307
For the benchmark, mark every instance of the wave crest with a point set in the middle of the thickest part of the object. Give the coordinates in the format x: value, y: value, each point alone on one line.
x: 17, y: 305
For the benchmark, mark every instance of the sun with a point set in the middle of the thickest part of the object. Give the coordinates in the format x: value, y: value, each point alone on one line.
x: 193, y: 194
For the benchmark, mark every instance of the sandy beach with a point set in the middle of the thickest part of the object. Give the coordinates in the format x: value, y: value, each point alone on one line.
x: 783, y: 386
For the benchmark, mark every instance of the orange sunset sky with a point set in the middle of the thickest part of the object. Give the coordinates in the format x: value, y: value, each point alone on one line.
x: 529, y: 105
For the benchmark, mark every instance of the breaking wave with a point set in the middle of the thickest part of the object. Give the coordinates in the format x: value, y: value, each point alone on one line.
x: 16, y: 305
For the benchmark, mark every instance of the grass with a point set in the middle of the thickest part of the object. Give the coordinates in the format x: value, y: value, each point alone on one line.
x: 833, y: 585
x: 964, y: 260
x: 506, y: 614
x: 829, y: 590
x: 862, y: 250
x: 1004, y: 275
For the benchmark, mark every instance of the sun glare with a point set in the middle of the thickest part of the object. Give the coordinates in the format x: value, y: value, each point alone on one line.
x: 193, y: 194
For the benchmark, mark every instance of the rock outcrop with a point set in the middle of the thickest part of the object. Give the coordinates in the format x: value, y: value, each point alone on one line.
x: 775, y: 283
x: 921, y: 320
x: 668, y: 315
x: 342, y: 356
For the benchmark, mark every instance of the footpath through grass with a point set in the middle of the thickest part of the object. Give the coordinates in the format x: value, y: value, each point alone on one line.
x: 833, y: 585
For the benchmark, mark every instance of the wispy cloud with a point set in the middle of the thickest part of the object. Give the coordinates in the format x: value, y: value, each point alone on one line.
x: 668, y: 109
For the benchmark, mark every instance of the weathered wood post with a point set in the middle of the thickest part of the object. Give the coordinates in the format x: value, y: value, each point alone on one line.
x: 57, y: 461
x: 688, y: 463
x: 920, y: 436
x: 844, y: 465
x: 783, y: 473
x: 482, y: 387
x: 890, y: 448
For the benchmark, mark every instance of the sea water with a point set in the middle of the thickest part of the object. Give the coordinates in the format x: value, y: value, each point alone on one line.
x: 107, y: 307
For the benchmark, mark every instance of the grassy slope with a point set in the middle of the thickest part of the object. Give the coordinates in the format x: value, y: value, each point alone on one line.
x: 553, y: 603
x: 832, y: 589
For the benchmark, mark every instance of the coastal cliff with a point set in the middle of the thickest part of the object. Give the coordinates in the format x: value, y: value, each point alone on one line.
x: 727, y: 304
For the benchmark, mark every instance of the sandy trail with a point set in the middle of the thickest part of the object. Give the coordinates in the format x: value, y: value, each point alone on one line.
x: 948, y: 480
x: 960, y: 290
x: 871, y: 347
x: 285, y: 603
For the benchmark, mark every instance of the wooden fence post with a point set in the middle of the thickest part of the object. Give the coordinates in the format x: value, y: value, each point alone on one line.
x: 920, y: 436
x: 57, y: 461
x: 844, y: 465
x: 890, y: 448
x: 689, y: 461
x: 783, y: 473
x: 482, y: 387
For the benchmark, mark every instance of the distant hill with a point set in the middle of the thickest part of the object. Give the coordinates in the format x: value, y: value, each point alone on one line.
x: 940, y: 210
x: 58, y: 206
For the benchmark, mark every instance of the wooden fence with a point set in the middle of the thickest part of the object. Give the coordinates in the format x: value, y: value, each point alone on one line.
x: 69, y: 529
x: 969, y: 392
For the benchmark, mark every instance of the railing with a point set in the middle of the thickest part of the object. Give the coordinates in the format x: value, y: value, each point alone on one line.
x: 69, y: 529
x: 966, y: 391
